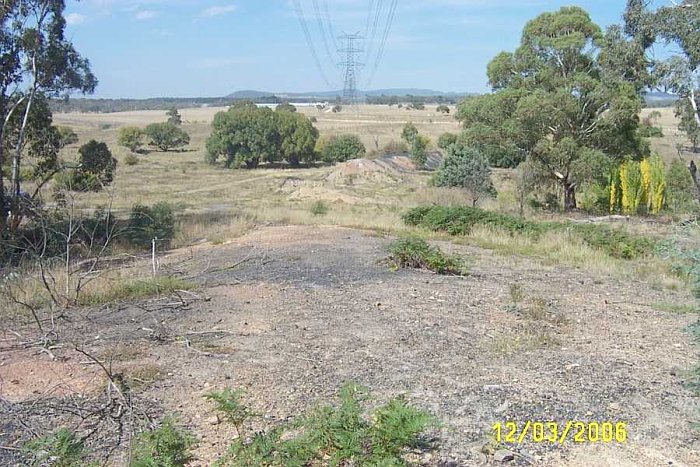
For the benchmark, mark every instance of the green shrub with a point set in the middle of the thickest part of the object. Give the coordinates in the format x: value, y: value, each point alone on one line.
x: 59, y: 449
x: 446, y: 140
x: 460, y: 220
x: 681, y: 190
x: 96, y: 168
x: 342, y: 435
x: 342, y: 148
x: 230, y: 404
x: 466, y: 168
x: 166, y: 136
x: 650, y: 131
x: 614, y: 242
x: 319, y: 208
x: 416, y: 253
x: 131, y: 137
x: 167, y: 446
x: 149, y: 222
x: 419, y: 150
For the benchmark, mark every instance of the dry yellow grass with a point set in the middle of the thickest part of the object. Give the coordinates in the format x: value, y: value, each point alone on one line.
x: 220, y: 205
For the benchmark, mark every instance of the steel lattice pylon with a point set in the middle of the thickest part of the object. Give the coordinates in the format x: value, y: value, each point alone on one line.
x: 350, y: 52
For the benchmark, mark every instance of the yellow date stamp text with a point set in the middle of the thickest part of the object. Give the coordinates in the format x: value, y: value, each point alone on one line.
x: 560, y: 433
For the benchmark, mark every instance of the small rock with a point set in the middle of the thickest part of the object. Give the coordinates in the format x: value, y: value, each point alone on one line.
x: 503, y: 455
x: 214, y: 420
x: 492, y: 387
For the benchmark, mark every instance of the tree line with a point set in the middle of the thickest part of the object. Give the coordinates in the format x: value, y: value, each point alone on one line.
x: 565, y: 104
x: 246, y: 136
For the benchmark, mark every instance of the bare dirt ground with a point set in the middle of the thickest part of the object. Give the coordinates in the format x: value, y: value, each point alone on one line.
x: 290, y: 313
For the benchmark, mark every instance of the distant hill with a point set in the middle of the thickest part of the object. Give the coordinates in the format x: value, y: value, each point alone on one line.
x: 250, y: 94
x: 659, y: 99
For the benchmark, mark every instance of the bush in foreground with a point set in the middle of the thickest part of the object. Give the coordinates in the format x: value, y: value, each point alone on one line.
x: 416, y: 253
x: 327, y: 435
x: 167, y: 446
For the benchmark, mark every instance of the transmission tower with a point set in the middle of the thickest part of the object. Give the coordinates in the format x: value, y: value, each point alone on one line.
x: 350, y: 52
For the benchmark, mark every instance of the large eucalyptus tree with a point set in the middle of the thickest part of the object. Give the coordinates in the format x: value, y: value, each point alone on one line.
x: 567, y: 100
x: 37, y: 62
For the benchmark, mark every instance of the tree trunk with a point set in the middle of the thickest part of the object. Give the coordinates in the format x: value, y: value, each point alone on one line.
x: 694, y: 104
x: 3, y: 202
x: 696, y: 176
x: 569, y: 196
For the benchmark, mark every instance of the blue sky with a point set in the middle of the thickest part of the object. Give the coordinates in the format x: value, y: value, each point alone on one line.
x: 188, y: 48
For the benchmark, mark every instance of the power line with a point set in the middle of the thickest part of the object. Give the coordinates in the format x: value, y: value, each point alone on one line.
x: 329, y: 24
x: 385, y: 36
x: 322, y: 28
x: 373, y: 32
x: 309, y: 41
x: 369, y: 16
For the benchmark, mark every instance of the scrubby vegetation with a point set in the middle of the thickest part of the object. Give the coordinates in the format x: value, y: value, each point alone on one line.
x: 416, y: 253
x: 457, y: 220
x: 342, y: 148
x: 333, y: 435
x: 166, y: 446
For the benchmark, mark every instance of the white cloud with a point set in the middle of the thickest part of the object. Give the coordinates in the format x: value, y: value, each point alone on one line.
x: 145, y: 15
x: 218, y: 10
x: 75, y: 18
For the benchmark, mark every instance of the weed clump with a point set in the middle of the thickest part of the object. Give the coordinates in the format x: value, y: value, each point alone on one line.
x: 460, y: 220
x: 328, y: 435
x: 319, y: 208
x: 416, y: 253
x: 61, y: 448
x: 167, y: 446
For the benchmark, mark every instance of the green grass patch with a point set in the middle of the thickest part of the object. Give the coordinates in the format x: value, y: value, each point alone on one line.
x: 416, y: 253
x: 133, y: 290
x: 460, y: 220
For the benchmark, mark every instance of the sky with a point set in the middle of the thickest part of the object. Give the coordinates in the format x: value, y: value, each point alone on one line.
x: 211, y: 48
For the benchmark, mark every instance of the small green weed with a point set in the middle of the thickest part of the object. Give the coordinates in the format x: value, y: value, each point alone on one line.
x: 416, y: 253
x: 59, y: 449
x: 319, y: 208
x: 230, y: 404
x: 167, y: 446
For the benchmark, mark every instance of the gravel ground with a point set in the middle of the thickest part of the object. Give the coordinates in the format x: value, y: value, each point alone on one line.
x: 293, y: 312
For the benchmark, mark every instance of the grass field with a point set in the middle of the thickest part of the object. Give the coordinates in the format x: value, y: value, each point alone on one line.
x: 266, y: 289
x: 217, y: 205
x: 184, y: 179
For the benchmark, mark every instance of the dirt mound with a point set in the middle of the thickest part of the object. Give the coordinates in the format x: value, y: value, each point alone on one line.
x: 390, y: 168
